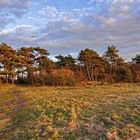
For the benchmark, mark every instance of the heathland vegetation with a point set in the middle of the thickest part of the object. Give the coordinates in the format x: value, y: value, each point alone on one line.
x: 103, y: 112
x: 32, y: 66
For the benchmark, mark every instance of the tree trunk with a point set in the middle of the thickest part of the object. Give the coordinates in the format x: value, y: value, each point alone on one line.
x: 13, y: 82
x: 6, y: 79
x: 88, y: 73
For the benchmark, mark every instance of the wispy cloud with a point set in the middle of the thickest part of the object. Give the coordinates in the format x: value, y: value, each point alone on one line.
x: 67, y: 28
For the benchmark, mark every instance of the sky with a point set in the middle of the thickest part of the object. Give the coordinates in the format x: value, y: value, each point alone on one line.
x: 67, y: 26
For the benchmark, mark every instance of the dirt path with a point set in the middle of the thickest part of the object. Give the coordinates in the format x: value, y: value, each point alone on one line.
x: 19, y: 100
x: 18, y: 106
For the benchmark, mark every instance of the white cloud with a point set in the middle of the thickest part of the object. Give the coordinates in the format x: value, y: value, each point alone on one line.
x: 5, y: 2
x: 51, y: 13
x: 60, y: 31
x: 15, y: 3
x: 21, y: 34
x: 125, y: 8
x: 108, y: 21
x: 6, y: 32
x: 12, y: 9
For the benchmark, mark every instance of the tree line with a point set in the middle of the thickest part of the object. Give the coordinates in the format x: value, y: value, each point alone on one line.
x: 32, y: 66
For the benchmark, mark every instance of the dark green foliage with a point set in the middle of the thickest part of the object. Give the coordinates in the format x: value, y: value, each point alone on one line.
x: 136, y: 60
x: 135, y: 68
x: 116, y: 67
x: 92, y: 63
x: 65, y: 61
x: 123, y: 74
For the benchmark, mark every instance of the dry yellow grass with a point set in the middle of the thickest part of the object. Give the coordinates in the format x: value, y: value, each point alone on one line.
x: 71, y: 113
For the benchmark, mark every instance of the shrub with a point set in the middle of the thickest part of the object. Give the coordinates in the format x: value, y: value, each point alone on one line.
x: 61, y: 77
x: 136, y: 72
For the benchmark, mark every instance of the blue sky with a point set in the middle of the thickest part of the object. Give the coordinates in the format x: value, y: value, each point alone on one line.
x: 67, y: 26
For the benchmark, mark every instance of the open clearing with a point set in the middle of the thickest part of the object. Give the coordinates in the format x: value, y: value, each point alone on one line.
x: 70, y: 113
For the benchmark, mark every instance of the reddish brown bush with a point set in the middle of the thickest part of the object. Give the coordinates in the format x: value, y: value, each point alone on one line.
x: 61, y: 77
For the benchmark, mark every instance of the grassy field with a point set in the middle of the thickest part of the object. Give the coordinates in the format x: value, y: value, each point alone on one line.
x: 110, y: 112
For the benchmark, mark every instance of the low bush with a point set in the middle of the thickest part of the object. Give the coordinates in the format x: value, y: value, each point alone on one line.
x: 61, y: 77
